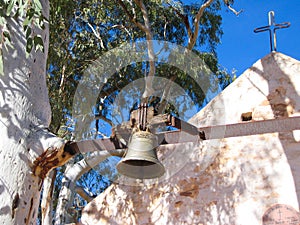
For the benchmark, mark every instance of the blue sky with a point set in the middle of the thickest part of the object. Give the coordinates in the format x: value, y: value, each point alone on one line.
x: 241, y: 47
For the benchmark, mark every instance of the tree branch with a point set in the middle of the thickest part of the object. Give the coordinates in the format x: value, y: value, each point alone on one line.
x: 122, y: 27
x: 185, y: 20
x: 48, y: 151
x: 232, y: 9
x: 163, y: 101
x: 96, y: 34
x: 46, y: 203
x: 194, y: 36
x: 149, y: 37
x: 100, y: 117
x: 72, y: 174
x: 131, y: 17
x: 165, y: 30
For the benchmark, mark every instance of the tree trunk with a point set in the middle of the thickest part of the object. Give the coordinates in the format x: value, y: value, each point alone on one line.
x: 27, y: 149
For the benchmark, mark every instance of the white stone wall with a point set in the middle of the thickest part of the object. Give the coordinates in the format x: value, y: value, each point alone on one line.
x: 227, y: 181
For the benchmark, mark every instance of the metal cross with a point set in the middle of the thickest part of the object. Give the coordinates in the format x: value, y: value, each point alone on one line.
x: 272, y: 27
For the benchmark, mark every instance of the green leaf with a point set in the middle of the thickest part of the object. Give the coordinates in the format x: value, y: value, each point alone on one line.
x: 2, y: 21
x: 22, y: 9
x: 38, y: 6
x: 30, y: 13
x: 10, y: 7
x: 38, y: 43
x: 27, y: 21
x: 28, y: 32
x: 29, y: 45
x: 6, y: 35
x: 41, y: 22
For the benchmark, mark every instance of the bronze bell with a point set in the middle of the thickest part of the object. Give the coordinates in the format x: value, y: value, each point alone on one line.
x: 141, y: 161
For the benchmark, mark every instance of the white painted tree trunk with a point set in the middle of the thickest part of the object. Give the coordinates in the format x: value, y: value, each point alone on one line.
x: 25, y: 142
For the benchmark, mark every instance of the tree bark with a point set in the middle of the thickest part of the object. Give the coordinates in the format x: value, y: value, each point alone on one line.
x: 27, y: 149
x: 46, y: 201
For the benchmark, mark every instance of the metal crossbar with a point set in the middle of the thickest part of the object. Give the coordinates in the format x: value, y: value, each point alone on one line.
x: 188, y: 133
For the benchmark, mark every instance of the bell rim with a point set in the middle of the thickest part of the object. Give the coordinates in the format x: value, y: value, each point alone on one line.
x: 122, y: 169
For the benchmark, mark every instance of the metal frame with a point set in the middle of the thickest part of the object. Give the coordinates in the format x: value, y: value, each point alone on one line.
x: 189, y: 131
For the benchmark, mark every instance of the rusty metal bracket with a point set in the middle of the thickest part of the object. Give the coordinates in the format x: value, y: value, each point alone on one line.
x: 169, y: 120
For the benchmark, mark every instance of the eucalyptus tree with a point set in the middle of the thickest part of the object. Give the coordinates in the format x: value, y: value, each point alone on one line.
x: 84, y: 31
x: 80, y: 31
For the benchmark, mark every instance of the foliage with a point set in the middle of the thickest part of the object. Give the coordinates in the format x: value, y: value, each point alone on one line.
x: 32, y: 18
x: 81, y: 32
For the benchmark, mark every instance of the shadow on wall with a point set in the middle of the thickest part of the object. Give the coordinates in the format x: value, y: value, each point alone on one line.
x: 285, y: 102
